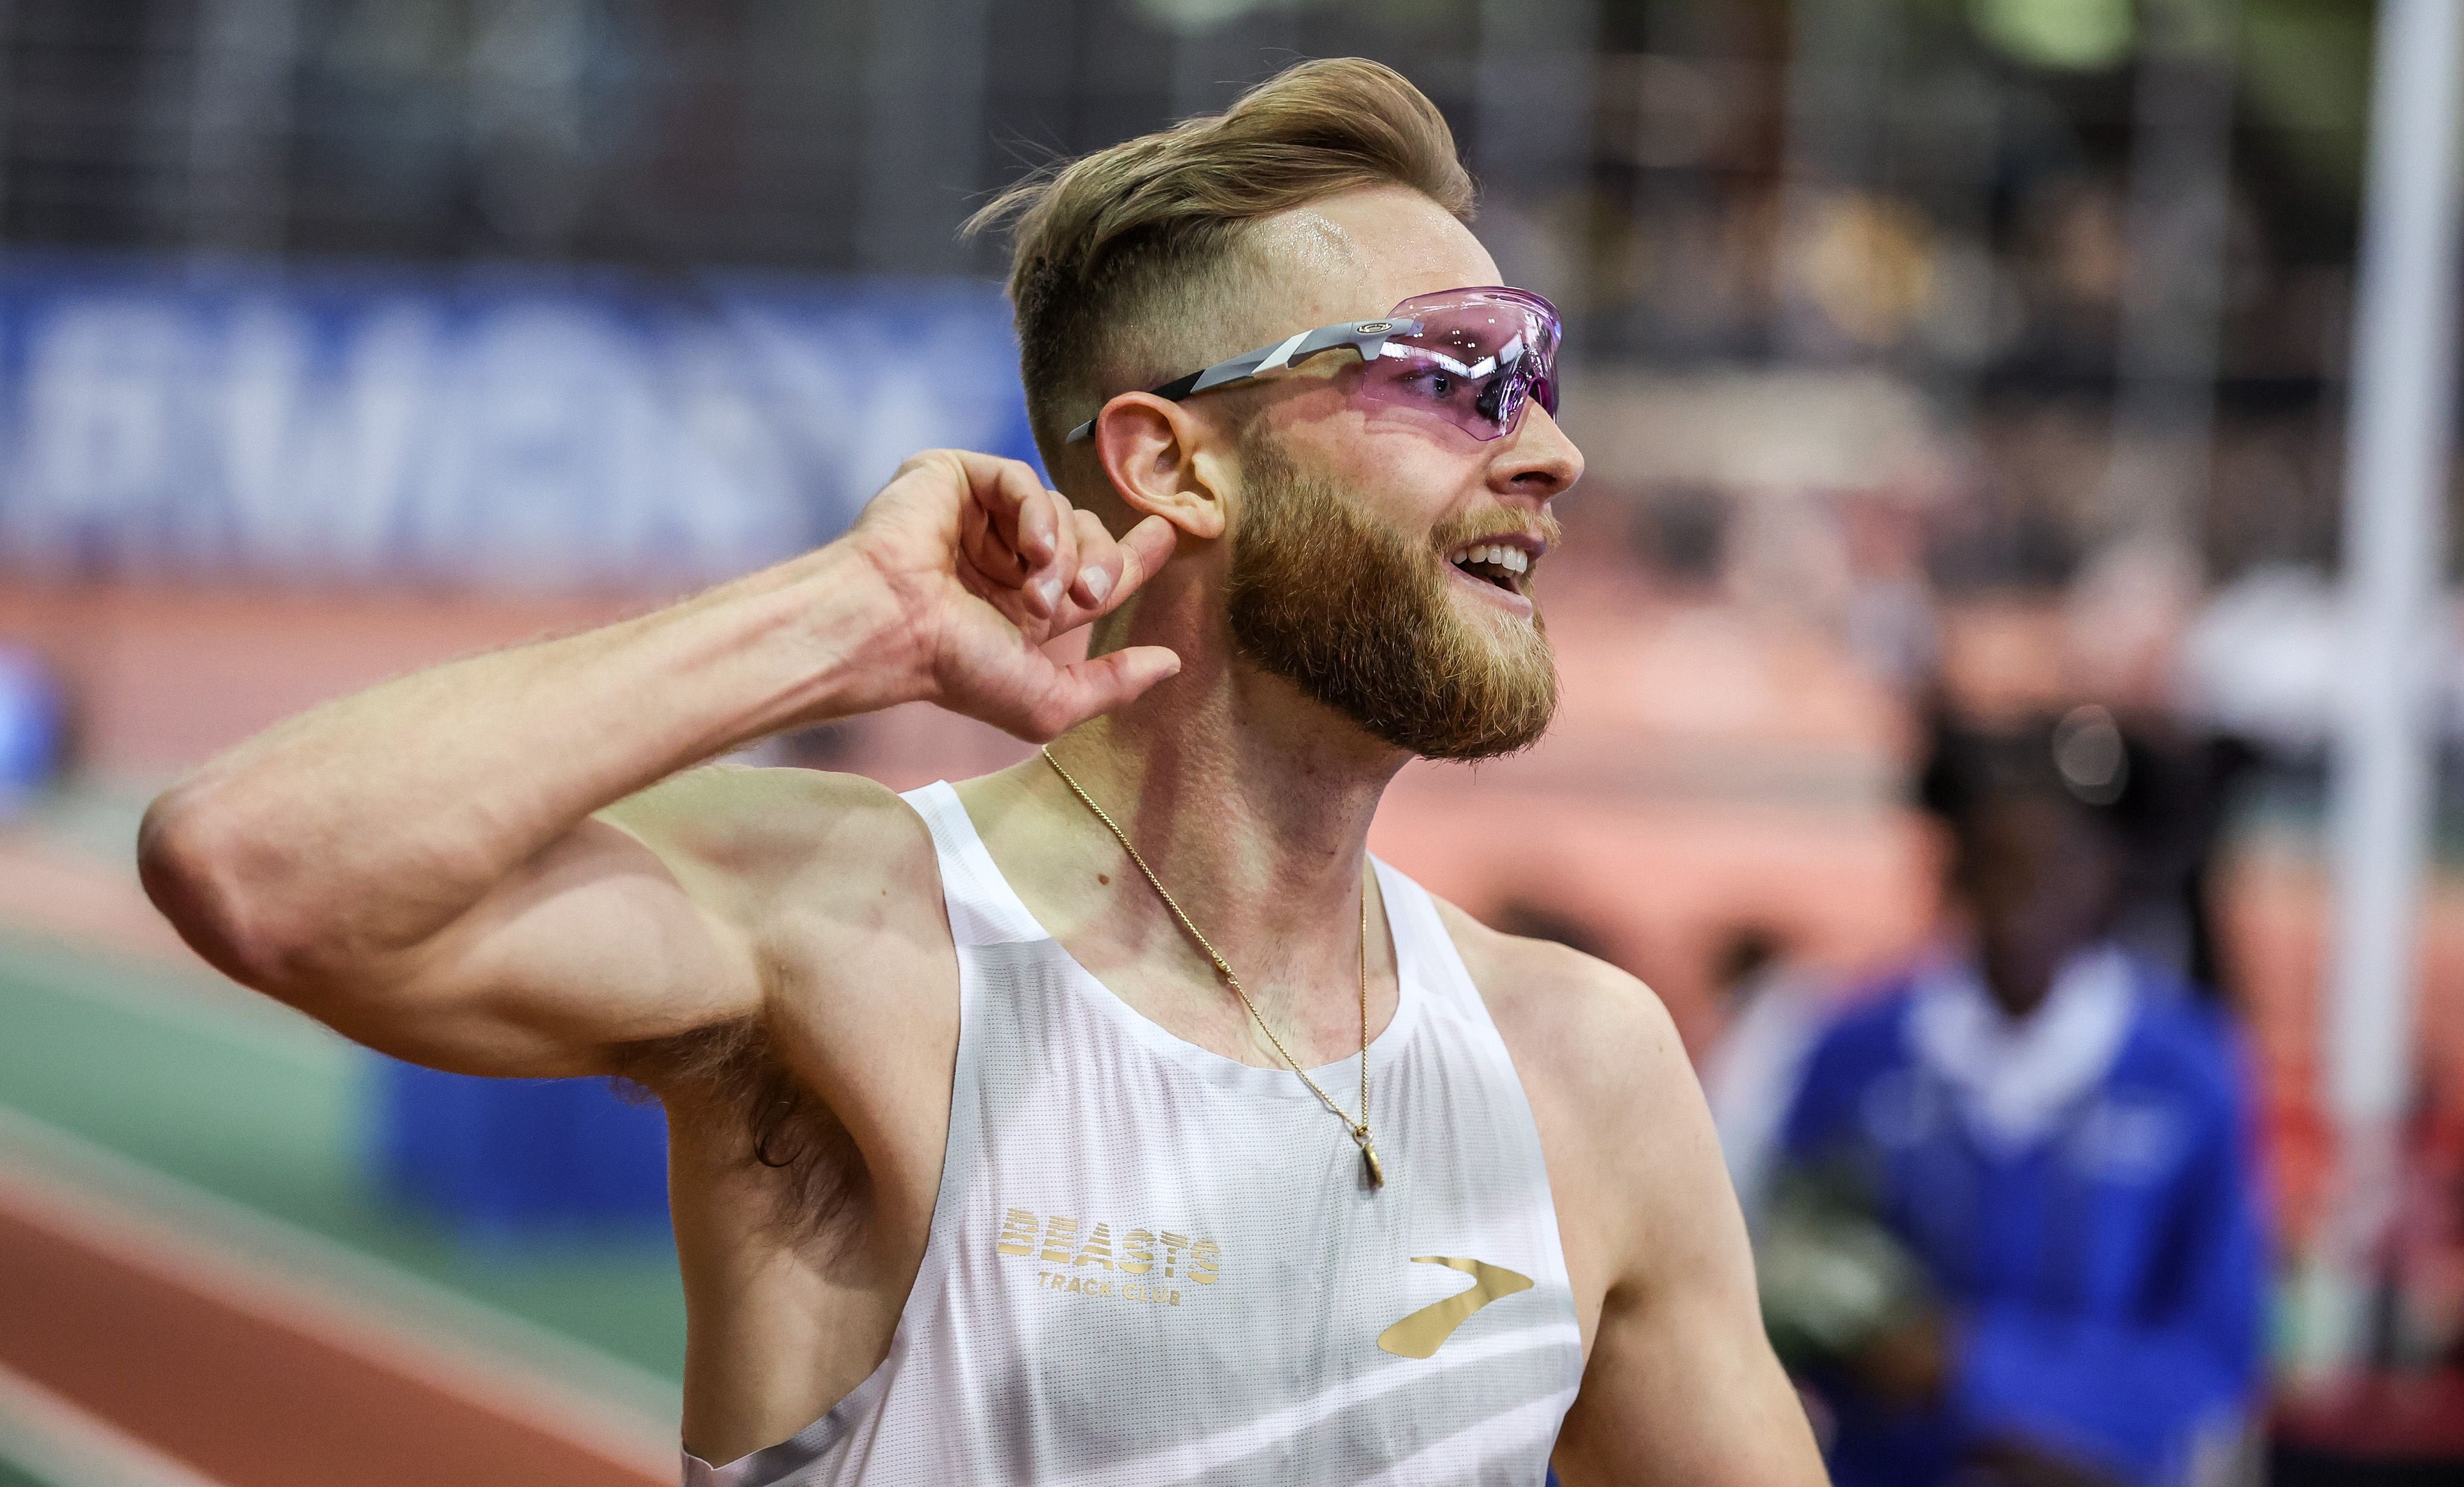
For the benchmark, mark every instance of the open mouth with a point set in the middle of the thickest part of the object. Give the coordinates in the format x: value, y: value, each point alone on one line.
x: 1502, y: 564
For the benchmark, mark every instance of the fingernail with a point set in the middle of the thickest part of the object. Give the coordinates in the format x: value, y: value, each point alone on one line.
x: 1048, y: 589
x: 1096, y: 582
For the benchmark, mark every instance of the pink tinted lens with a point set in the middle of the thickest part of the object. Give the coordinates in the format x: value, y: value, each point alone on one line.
x: 1477, y: 357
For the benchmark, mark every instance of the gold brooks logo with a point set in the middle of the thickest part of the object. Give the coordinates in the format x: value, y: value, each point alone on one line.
x: 1427, y: 1330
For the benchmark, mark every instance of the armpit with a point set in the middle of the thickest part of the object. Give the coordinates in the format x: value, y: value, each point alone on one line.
x: 774, y: 1127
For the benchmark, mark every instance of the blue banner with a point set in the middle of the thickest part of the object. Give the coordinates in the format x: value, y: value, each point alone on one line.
x: 492, y: 426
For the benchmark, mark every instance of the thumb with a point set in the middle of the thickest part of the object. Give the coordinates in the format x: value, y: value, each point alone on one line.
x: 1084, y: 689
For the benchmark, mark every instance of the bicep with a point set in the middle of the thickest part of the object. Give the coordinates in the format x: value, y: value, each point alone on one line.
x: 594, y: 943
x: 1680, y: 1395
x: 1683, y: 1390
x: 1683, y: 1387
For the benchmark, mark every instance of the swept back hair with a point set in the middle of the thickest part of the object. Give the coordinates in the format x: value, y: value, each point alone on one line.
x: 1128, y: 262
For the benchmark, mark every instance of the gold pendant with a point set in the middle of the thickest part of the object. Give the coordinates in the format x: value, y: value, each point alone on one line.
x: 1369, y: 1155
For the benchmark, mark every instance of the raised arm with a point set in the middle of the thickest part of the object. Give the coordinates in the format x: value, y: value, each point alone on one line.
x: 449, y: 867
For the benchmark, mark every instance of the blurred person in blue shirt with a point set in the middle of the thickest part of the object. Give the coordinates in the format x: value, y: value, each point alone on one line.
x: 2017, y: 1239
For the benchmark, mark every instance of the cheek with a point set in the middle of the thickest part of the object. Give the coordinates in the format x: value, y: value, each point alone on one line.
x: 1411, y: 482
x: 1406, y: 478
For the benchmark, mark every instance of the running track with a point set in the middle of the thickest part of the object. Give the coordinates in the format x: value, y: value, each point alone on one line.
x: 154, y: 1335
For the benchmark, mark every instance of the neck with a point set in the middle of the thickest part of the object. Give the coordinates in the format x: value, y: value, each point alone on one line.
x: 1251, y: 802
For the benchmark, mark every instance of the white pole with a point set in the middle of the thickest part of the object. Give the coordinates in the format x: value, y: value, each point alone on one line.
x: 2404, y: 359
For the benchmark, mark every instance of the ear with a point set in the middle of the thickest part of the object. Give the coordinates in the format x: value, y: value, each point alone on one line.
x: 1149, y: 450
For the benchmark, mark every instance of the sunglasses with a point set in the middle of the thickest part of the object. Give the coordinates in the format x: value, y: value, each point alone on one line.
x: 1470, y: 357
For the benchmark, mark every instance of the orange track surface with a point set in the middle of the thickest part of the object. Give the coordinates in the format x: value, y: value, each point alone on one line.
x: 218, y: 1369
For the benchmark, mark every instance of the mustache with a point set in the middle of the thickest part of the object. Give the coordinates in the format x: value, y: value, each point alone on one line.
x: 1479, y: 526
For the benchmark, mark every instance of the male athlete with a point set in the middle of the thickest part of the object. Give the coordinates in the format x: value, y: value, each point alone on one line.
x: 1112, y: 1119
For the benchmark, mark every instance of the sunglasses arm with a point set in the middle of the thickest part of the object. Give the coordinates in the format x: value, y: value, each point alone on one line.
x: 1366, y: 337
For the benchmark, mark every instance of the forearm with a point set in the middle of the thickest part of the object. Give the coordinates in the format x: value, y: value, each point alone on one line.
x: 356, y: 830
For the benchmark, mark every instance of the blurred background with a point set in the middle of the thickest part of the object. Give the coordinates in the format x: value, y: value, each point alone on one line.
x: 1977, y: 461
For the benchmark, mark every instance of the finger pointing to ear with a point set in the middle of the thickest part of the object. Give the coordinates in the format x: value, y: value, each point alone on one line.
x: 1143, y: 550
x: 1099, y: 563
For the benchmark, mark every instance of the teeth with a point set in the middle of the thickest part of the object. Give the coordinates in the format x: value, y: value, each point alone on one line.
x: 1513, y: 560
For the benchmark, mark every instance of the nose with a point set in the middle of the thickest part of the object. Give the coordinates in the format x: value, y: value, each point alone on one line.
x: 1538, y: 461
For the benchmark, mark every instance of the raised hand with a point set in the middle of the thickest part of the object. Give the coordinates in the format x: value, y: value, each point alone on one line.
x: 985, y: 565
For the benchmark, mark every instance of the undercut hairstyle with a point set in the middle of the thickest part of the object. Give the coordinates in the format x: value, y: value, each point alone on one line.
x: 1128, y: 265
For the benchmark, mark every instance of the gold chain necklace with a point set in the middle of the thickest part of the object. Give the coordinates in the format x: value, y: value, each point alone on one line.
x: 1360, y: 1128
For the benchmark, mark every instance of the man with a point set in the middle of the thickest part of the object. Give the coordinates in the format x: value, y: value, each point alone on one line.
x: 2039, y: 1152
x: 1109, y: 1118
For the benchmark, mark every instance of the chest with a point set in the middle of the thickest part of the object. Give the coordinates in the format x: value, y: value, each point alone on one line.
x: 1111, y: 1187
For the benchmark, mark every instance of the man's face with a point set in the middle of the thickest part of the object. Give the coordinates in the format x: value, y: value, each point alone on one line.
x: 2038, y: 881
x: 1382, y: 559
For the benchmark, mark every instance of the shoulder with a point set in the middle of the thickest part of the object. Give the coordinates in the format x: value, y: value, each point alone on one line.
x: 1642, y: 1195
x: 758, y: 820
x: 737, y: 810
x: 831, y: 883
x: 759, y: 842
x: 2185, y: 1043
x: 1577, y: 1027
x: 1869, y: 1027
x: 1863, y: 1043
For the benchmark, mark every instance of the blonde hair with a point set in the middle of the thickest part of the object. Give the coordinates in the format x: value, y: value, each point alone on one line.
x: 1124, y: 261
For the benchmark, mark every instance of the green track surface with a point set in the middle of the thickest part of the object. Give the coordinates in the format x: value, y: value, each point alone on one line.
x: 203, y: 1082
x: 15, y: 1475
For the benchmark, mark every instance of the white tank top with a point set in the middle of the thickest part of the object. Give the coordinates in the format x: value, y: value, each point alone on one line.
x: 1151, y: 1264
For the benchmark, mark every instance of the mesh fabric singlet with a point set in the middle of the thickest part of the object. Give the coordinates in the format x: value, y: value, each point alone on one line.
x: 1151, y: 1264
